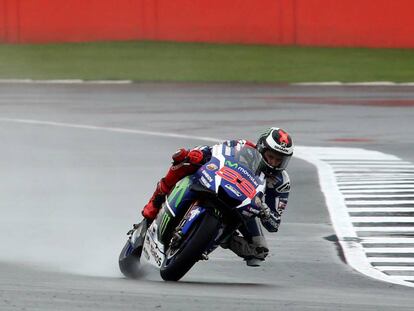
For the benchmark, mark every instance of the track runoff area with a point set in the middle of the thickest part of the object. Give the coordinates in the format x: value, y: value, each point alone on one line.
x: 369, y: 195
x: 370, y: 198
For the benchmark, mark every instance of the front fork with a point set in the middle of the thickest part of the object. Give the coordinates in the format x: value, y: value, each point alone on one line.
x: 193, y: 215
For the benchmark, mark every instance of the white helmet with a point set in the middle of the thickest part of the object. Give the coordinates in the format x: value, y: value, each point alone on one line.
x: 276, y: 140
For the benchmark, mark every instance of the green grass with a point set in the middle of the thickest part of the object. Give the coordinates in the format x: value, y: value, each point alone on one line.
x: 162, y: 61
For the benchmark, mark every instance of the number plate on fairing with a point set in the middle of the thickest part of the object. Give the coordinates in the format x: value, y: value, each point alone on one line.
x: 153, y: 249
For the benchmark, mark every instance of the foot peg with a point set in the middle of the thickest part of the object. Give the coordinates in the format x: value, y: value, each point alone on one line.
x: 204, y: 256
x: 138, y: 231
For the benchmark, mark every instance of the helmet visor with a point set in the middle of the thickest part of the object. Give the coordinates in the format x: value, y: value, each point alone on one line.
x: 276, y: 160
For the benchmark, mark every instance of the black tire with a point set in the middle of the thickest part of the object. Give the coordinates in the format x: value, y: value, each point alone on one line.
x: 129, y: 265
x: 193, y: 247
x: 129, y: 258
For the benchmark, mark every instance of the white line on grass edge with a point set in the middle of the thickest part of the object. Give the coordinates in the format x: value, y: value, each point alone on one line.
x: 80, y: 81
x: 65, y: 81
x: 353, y: 250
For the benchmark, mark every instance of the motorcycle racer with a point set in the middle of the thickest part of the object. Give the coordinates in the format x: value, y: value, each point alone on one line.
x: 276, y: 147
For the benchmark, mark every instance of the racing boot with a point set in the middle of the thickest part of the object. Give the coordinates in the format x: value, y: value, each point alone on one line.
x: 153, y: 206
x: 260, y: 250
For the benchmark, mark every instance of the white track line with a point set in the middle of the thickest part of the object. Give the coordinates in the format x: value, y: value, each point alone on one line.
x: 327, y: 83
x: 380, y: 209
x: 380, y: 202
x: 395, y: 268
x: 374, y: 176
x: 374, y: 171
x: 357, y: 184
x: 376, y: 189
x: 373, y: 166
x: 396, y: 219
x: 374, y: 240
x: 109, y: 129
x: 389, y: 250
x: 365, y: 193
x: 403, y: 278
x: 391, y: 259
x: 368, y: 162
x: 385, y: 230
x: 64, y: 81
x: 368, y: 196
x: 369, y: 83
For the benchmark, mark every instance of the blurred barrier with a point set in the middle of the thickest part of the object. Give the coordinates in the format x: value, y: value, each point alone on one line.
x: 69, y: 20
x: 370, y: 23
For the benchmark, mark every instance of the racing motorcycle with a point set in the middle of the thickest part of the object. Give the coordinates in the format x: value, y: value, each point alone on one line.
x: 201, y: 212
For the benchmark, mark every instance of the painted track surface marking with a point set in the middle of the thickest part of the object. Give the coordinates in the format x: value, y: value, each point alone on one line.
x: 370, y: 197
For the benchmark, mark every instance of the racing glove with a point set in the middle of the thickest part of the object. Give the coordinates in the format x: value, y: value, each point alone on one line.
x: 269, y: 219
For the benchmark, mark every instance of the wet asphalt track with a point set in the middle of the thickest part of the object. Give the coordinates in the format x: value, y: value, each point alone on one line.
x: 68, y: 195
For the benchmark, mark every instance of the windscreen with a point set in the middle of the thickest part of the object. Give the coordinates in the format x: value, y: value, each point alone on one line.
x: 248, y: 157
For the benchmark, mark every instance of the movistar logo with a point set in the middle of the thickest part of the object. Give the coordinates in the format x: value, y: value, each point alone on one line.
x: 231, y: 164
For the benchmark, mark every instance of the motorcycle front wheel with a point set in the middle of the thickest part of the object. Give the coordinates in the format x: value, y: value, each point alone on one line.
x: 180, y: 260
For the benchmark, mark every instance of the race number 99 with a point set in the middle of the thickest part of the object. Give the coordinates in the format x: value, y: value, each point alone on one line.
x: 234, y: 177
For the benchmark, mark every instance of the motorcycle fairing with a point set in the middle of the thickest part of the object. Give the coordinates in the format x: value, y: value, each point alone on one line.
x: 178, y: 200
x: 215, y: 188
x: 224, y: 170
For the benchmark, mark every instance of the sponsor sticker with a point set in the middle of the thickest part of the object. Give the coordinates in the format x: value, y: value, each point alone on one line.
x: 205, y: 182
x: 147, y: 256
x: 212, y: 167
x: 232, y: 189
x: 154, y: 254
x: 246, y: 173
x: 231, y: 164
x: 193, y: 214
x: 207, y: 176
